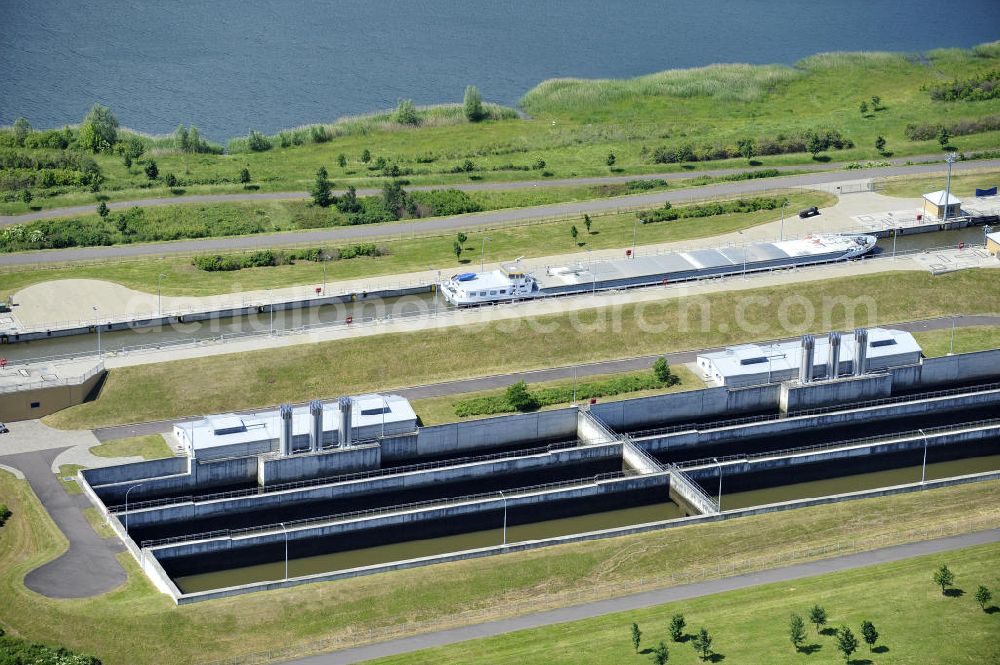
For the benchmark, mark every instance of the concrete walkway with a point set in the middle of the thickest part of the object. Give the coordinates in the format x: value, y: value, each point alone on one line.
x: 460, y: 222
x: 89, y: 567
x: 581, y: 371
x: 648, y: 599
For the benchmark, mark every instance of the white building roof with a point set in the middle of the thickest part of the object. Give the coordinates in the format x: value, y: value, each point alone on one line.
x: 995, y: 237
x: 228, y: 429
x: 753, y: 359
x: 937, y: 198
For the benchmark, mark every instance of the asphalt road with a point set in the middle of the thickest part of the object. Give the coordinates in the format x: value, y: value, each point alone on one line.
x: 581, y: 371
x: 650, y: 599
x: 459, y: 222
x: 89, y: 566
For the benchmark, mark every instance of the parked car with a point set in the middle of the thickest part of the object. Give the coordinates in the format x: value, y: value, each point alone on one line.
x: 809, y: 212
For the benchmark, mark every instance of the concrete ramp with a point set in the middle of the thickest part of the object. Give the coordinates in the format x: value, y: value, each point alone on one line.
x: 688, y: 494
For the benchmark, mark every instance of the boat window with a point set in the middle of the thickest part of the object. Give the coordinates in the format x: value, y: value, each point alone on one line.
x: 493, y: 293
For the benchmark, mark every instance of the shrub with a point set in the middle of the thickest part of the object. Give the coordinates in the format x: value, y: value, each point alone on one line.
x: 406, y: 113
x: 473, y: 104
x: 977, y: 88
x: 518, y: 397
x: 14, y: 651
x: 444, y: 202
x: 821, y: 139
x: 669, y: 213
x: 928, y: 131
x: 4, y: 516
x: 257, y: 142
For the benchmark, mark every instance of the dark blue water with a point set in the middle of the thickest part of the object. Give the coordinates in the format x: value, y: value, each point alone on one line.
x: 226, y: 65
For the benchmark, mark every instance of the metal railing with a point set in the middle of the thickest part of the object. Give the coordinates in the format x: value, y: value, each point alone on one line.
x: 349, y: 477
x: 901, y: 399
x: 834, y: 445
x: 385, y: 510
x: 694, y: 487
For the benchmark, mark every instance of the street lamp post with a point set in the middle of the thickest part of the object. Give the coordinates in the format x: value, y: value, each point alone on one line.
x: 270, y: 310
x: 783, y: 220
x: 482, y: 256
x: 923, y: 468
x: 895, y: 232
x: 504, y: 517
x: 97, y: 324
x: 951, y: 347
x: 325, y: 259
x: 719, y: 464
x: 947, y: 190
x: 285, y: 531
x: 159, y: 300
x: 635, y: 226
x: 126, y: 504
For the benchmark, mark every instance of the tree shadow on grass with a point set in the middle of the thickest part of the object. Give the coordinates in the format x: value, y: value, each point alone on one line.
x: 754, y: 162
x: 992, y: 609
x: 716, y: 658
x: 859, y: 661
x: 881, y: 649
x: 810, y: 649
x: 821, y: 158
x: 954, y: 593
x: 828, y: 631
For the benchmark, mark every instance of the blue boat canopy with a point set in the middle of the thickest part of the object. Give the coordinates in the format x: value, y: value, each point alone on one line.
x: 466, y: 277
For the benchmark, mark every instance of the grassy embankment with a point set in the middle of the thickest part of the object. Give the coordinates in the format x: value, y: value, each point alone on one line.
x: 135, y: 625
x: 405, y: 254
x: 437, y: 410
x: 936, y: 343
x: 151, y: 446
x: 260, y: 378
x: 962, y: 184
x: 916, y: 623
x: 575, y: 124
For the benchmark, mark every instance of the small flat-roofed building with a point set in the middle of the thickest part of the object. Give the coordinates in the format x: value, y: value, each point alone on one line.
x: 755, y: 364
x: 934, y: 205
x: 993, y: 243
x: 372, y: 417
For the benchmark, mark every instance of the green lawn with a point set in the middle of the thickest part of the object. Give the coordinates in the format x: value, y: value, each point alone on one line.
x: 136, y: 625
x: 962, y: 184
x: 382, y: 362
x: 507, y: 241
x: 574, y: 125
x: 151, y: 446
x: 968, y: 339
x: 915, y: 622
x: 438, y: 410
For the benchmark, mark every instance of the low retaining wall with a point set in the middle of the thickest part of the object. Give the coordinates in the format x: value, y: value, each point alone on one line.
x: 306, y: 466
x: 963, y: 367
x: 203, y: 475
x: 795, y: 396
x: 469, y: 436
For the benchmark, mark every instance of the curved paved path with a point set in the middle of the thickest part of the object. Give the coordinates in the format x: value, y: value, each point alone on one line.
x: 582, y: 371
x: 89, y: 567
x: 459, y: 222
x: 650, y: 599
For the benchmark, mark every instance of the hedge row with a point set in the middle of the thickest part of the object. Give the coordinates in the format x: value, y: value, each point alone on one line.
x: 929, y: 130
x: 268, y: 257
x: 975, y: 89
x: 668, y: 213
x: 813, y: 140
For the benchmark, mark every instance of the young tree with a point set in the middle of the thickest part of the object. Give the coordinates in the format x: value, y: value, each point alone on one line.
x: 321, y: 189
x: 944, y: 578
x: 660, y: 654
x: 133, y: 148
x: 636, y: 637
x: 258, y: 142
x: 194, y: 140
x: 796, y: 631
x: 99, y: 130
x: 880, y: 144
x: 702, y: 643
x: 944, y: 137
x: 102, y: 209
x: 983, y: 596
x: 395, y: 197
x: 462, y: 237
x: 747, y: 148
x: 863, y: 108
x: 245, y: 175
x: 587, y: 222
x: 520, y: 398
x: 152, y: 170
x: 457, y: 248
x: 869, y: 634
x: 27, y: 196
x: 349, y: 202
x: 473, y: 104
x: 170, y: 180
x: 876, y: 103
x: 573, y: 232
x: 21, y: 130
x: 406, y: 113
x: 181, y: 141
x: 815, y: 144
x: 611, y: 159
x: 661, y: 369
x: 817, y: 616
x: 677, y: 625
x: 847, y: 644
x: 341, y: 160
x: 366, y: 155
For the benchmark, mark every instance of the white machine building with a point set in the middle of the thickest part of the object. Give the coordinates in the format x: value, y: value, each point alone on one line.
x: 291, y: 430
x: 808, y: 359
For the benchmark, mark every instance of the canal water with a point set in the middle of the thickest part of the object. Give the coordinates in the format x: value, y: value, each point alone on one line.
x: 851, y: 483
x: 428, y: 547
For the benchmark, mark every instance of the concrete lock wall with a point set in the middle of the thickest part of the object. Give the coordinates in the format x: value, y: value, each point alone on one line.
x: 469, y: 436
x: 214, y: 473
x: 695, y: 437
x: 797, y: 397
x: 136, y: 471
x: 305, y: 466
x: 981, y: 365
x: 591, y: 430
x: 445, y: 511
x: 363, y: 486
x: 30, y: 404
